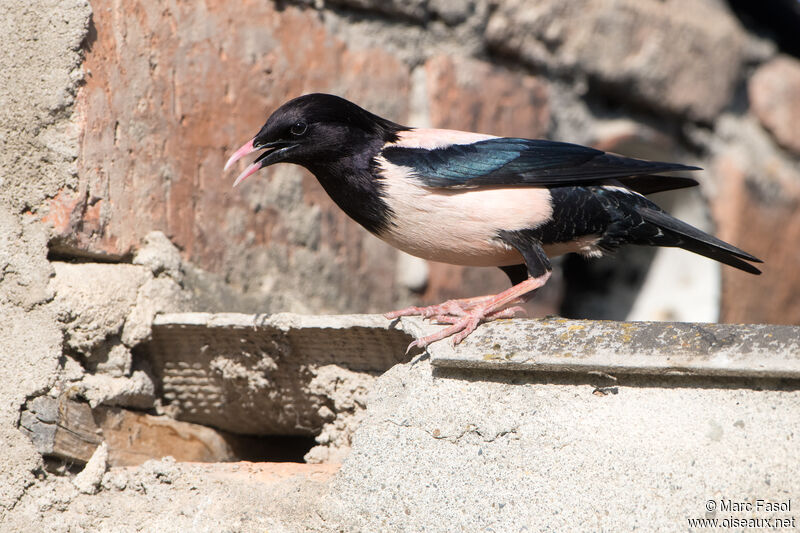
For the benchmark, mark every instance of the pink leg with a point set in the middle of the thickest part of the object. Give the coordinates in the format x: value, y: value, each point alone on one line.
x: 509, y: 312
x: 456, y: 307
x: 465, y: 315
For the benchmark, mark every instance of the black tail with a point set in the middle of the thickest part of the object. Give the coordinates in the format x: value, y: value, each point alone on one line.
x: 652, y: 184
x: 682, y: 235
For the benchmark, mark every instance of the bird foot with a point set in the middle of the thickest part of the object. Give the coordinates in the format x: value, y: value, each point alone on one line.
x: 511, y: 312
x: 461, y: 325
x: 464, y: 315
x: 458, y: 307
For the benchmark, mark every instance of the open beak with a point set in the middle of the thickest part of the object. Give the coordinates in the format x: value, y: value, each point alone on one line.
x: 275, y: 153
x: 240, y: 153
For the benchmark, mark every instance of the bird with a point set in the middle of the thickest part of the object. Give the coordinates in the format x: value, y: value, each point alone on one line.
x: 478, y: 200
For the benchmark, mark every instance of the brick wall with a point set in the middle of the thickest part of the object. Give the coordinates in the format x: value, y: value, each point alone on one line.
x: 170, y: 91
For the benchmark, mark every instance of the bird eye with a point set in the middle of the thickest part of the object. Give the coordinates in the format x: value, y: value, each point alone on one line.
x: 298, y: 128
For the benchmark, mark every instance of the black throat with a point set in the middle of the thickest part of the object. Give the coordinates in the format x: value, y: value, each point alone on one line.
x: 350, y: 181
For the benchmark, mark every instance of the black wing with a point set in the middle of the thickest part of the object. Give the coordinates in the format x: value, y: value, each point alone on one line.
x: 510, y: 161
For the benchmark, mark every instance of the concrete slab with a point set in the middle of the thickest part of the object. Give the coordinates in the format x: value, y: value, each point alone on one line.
x: 451, y: 449
x: 660, y: 348
x: 282, y: 374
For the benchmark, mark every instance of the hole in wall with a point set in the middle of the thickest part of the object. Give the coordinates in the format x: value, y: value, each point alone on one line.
x: 273, y: 448
x: 68, y: 254
x: 67, y: 431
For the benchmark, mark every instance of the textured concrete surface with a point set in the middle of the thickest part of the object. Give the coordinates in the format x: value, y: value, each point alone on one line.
x: 106, y: 310
x: 310, y: 375
x: 39, y: 75
x: 283, y: 374
x: 487, y: 448
x: 457, y: 450
x: 165, y: 496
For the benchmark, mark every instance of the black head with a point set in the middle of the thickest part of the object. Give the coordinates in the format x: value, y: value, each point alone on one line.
x: 313, y: 130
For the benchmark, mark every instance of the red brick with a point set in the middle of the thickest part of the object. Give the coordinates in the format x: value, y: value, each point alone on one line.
x: 170, y: 92
x: 467, y: 94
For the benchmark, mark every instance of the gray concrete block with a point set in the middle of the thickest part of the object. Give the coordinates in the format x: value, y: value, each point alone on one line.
x: 451, y: 449
x: 546, y: 424
x: 282, y: 374
x: 659, y: 348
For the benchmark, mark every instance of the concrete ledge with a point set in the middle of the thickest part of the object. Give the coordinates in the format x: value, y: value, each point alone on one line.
x: 658, y: 348
x: 288, y: 374
x: 469, y: 450
x: 282, y: 374
x: 372, y: 343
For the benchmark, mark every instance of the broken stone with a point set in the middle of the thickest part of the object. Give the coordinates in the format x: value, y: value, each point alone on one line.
x: 89, y: 479
x: 137, y: 391
x: 94, y: 300
x: 159, y: 255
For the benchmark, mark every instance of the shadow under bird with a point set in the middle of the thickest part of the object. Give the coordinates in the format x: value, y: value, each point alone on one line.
x: 478, y: 200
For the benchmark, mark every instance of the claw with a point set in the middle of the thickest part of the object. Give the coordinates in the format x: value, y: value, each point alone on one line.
x: 468, y: 327
x: 412, y: 346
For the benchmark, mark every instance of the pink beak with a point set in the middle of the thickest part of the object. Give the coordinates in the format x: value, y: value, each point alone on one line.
x: 237, y: 155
